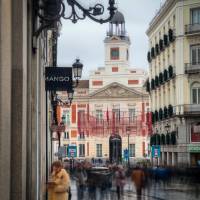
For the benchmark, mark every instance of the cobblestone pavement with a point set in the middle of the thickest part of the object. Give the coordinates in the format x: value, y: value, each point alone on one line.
x: 154, y: 191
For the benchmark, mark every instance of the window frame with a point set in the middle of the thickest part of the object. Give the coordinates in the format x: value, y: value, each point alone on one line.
x: 132, y: 150
x: 114, y: 57
x: 81, y: 150
x: 99, y: 150
x: 191, y: 15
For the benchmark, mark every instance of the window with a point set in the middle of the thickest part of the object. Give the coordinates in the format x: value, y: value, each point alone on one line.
x: 195, y: 54
x: 66, y: 115
x: 66, y: 135
x: 99, y: 116
x: 81, y: 150
x: 132, y: 150
x: 99, y: 150
x: 116, y: 114
x: 196, y: 93
x: 131, y: 114
x: 195, y: 16
x: 127, y: 54
x: 82, y: 135
x: 114, y: 53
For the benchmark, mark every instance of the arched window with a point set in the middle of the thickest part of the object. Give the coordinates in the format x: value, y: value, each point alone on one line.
x: 195, y: 93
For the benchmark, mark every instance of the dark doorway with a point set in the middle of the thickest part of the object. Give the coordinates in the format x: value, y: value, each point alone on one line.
x: 115, y: 149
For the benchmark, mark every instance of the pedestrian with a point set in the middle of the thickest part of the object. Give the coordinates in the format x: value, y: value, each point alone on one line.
x: 138, y: 178
x: 81, y: 178
x: 59, y: 183
x: 120, y: 180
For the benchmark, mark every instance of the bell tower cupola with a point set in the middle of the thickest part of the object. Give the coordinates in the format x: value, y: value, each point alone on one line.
x: 117, y: 25
x: 117, y: 43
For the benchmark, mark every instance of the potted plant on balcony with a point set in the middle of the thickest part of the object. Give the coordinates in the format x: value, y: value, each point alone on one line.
x: 148, y: 86
x: 161, y: 45
x: 162, y: 139
x: 160, y: 114
x: 157, y: 136
x: 171, y: 35
x: 156, y: 81
x: 156, y: 115
x: 161, y: 78
x: 149, y: 56
x: 166, y: 42
x: 170, y: 110
x: 165, y: 112
x: 168, y: 139
x: 153, y: 52
x: 165, y: 75
x: 152, y: 84
x: 170, y: 71
x: 173, y: 137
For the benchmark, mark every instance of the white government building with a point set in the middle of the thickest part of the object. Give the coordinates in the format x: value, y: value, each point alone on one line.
x: 114, y: 101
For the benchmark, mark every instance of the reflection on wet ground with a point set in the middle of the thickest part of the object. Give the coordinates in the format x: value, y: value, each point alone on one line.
x: 174, y: 189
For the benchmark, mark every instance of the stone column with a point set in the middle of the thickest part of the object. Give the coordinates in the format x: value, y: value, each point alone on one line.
x: 19, y: 100
x: 5, y: 98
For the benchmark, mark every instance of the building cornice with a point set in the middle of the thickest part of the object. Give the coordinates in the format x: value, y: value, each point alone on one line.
x: 163, y: 11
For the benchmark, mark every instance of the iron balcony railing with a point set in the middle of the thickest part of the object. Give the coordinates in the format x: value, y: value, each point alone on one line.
x: 187, y: 109
x: 192, y: 68
x: 192, y: 28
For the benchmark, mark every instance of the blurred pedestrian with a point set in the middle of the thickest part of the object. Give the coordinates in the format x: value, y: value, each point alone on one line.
x: 59, y: 183
x: 81, y: 178
x: 138, y: 178
x: 120, y: 180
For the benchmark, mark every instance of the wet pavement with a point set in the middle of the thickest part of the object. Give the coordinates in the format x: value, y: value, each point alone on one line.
x: 173, y: 190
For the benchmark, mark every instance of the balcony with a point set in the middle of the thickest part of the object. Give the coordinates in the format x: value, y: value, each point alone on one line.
x: 192, y: 110
x: 192, y: 29
x: 192, y: 68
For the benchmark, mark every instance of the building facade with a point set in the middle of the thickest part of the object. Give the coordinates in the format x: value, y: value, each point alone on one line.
x: 111, y: 103
x: 173, y: 85
x: 24, y: 166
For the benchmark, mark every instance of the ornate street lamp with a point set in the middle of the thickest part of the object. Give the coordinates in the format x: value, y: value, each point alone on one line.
x: 77, y: 68
x: 51, y: 11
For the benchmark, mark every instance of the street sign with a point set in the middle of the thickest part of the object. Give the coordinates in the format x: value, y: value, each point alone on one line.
x: 58, y: 78
x: 126, y: 154
x: 72, y: 151
x: 155, y: 151
x: 62, y: 151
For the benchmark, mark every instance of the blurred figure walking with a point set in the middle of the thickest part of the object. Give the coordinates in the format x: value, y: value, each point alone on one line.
x: 120, y: 180
x: 138, y: 178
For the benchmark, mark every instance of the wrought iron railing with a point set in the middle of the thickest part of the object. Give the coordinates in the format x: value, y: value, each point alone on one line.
x: 191, y: 68
x: 192, y: 28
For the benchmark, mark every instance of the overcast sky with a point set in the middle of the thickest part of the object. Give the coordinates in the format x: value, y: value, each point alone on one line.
x: 85, y: 38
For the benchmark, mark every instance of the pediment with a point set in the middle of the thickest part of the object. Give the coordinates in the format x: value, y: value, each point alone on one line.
x: 115, y: 90
x: 114, y: 38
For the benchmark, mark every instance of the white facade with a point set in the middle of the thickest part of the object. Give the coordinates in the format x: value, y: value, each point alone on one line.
x: 175, y: 94
x: 116, y: 87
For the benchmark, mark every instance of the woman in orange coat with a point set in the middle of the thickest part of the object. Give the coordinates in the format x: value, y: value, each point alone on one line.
x: 59, y: 185
x: 138, y: 177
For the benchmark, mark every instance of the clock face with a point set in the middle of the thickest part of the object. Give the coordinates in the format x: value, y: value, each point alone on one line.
x: 114, y: 53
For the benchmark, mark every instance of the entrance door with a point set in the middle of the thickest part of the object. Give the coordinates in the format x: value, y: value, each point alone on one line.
x: 115, y: 149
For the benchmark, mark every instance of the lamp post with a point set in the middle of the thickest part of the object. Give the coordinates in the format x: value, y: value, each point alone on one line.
x: 128, y: 134
x: 50, y: 12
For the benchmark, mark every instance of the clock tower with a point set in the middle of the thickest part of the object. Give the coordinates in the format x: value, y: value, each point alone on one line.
x: 117, y: 43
